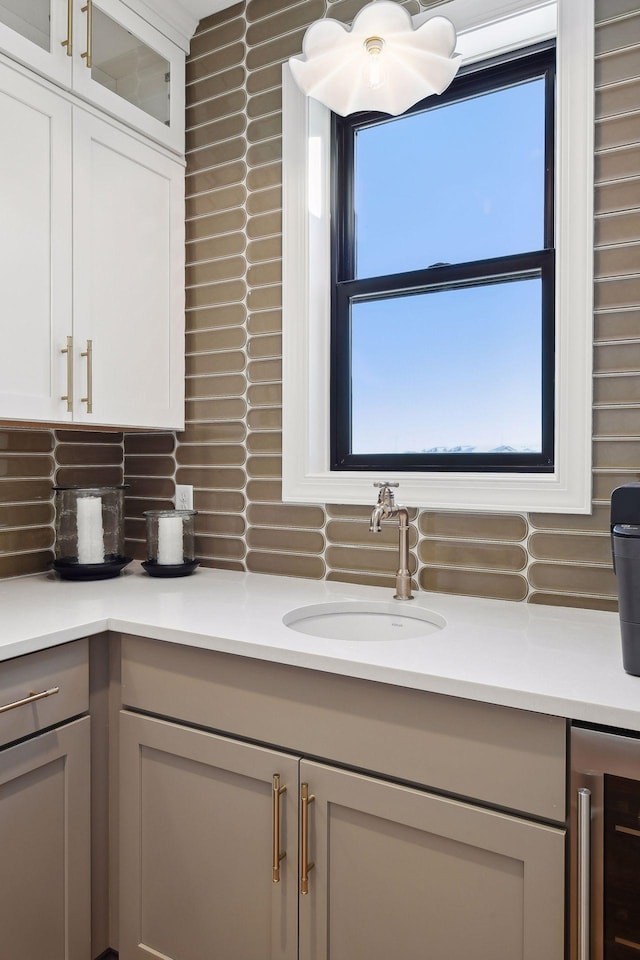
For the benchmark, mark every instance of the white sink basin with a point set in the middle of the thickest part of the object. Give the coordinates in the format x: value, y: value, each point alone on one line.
x: 364, y: 620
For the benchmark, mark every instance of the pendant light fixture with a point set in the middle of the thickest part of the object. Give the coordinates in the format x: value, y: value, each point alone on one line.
x: 381, y: 63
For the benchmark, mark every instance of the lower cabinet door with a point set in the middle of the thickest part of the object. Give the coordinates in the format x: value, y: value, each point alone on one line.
x: 45, y: 842
x: 399, y: 873
x: 199, y: 824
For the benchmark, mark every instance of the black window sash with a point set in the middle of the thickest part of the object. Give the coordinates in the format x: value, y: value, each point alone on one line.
x: 480, y: 273
x: 475, y: 81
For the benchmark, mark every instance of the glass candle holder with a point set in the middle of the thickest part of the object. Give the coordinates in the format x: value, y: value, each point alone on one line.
x: 89, y: 532
x: 170, y: 542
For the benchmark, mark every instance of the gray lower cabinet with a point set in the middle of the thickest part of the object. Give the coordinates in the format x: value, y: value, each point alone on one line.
x: 372, y: 869
x: 45, y: 828
x: 404, y: 873
x: 197, y: 825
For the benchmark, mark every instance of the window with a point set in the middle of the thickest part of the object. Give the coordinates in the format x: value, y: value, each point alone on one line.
x: 442, y: 338
x: 487, y: 30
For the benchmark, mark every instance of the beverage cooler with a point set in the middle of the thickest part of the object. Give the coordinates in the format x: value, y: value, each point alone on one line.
x: 605, y: 845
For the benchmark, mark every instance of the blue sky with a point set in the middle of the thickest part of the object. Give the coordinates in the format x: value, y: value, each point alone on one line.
x: 458, y: 183
x: 464, y: 365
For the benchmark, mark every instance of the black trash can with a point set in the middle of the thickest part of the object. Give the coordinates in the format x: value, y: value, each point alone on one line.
x: 625, y: 543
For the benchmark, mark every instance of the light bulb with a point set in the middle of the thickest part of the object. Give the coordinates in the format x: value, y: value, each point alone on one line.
x: 374, y: 69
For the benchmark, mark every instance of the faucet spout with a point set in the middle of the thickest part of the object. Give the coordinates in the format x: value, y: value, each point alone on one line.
x: 386, y: 509
x: 377, y: 516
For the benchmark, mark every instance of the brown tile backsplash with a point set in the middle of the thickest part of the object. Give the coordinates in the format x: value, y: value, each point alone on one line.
x: 567, y: 600
x: 31, y: 462
x: 573, y: 578
x: 616, y: 66
x: 579, y: 548
x: 617, y: 325
x: 622, y: 389
x: 474, y: 583
x: 25, y: 491
x: 354, y: 533
x: 201, y: 364
x: 231, y: 447
x: 285, y: 515
x: 366, y: 559
x: 22, y: 564
x: 90, y: 476
x: 288, y: 541
x: 472, y: 553
x: 15, y: 441
x: 18, y: 515
x: 481, y: 526
x: 285, y: 564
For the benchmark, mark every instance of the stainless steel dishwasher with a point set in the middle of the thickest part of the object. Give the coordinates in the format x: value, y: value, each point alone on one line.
x: 605, y: 845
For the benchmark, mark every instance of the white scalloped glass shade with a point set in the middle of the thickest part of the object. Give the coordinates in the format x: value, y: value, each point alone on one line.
x: 336, y: 68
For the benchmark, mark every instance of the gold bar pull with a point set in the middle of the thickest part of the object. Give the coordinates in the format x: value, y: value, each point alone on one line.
x: 69, y: 394
x: 32, y: 698
x: 88, y: 353
x: 68, y: 43
x: 306, y: 799
x: 87, y: 54
x: 278, y: 855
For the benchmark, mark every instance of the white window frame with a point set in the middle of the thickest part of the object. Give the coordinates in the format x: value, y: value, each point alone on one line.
x: 485, y: 28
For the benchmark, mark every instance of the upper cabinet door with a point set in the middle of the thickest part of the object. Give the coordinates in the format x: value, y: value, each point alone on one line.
x: 38, y: 33
x: 127, y: 68
x: 128, y: 266
x: 35, y: 249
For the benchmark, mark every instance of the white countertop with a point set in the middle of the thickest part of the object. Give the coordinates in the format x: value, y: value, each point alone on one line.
x: 554, y: 660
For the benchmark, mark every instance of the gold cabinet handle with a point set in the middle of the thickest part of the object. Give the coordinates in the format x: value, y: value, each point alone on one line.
x: 306, y: 799
x: 88, y: 353
x: 68, y: 43
x: 32, y: 698
x: 278, y: 855
x: 69, y: 394
x: 87, y: 54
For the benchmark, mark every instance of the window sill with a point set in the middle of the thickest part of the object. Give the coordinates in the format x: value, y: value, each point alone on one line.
x: 472, y: 492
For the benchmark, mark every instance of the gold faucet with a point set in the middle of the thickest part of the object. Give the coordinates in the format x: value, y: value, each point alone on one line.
x: 387, y: 509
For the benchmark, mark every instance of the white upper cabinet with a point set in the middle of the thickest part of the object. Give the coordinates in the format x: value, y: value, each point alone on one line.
x: 91, y: 216
x: 128, y: 279
x: 91, y: 266
x: 107, y: 54
x: 35, y: 249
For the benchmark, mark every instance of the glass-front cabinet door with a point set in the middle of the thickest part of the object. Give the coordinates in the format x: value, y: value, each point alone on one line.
x: 130, y: 70
x: 38, y: 33
x: 107, y: 54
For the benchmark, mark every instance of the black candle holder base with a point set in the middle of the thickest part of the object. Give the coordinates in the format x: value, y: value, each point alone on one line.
x: 155, y: 569
x: 69, y: 568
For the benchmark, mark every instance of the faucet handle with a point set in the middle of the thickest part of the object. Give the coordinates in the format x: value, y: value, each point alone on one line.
x: 386, y: 493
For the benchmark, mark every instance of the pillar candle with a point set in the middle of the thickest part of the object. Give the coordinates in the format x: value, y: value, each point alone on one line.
x: 170, y: 540
x: 90, y: 530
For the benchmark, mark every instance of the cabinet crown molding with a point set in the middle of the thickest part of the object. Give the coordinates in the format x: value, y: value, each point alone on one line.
x: 176, y: 19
